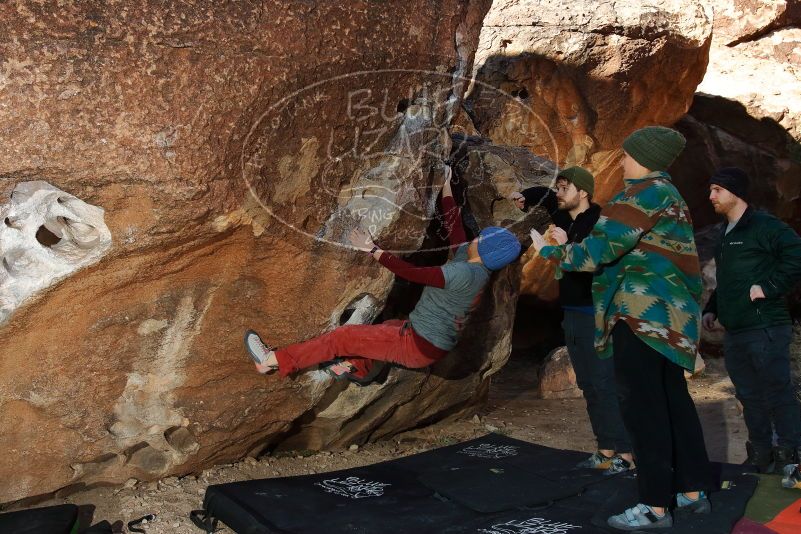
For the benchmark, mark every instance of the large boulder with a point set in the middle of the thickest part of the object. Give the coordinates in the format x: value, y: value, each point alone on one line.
x: 188, y: 171
x: 570, y: 80
x: 746, y: 112
x: 557, y: 378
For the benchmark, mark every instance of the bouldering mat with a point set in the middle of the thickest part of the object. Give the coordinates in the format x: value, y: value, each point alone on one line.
x: 788, y: 521
x: 62, y: 519
x: 490, y: 485
x: 769, y: 499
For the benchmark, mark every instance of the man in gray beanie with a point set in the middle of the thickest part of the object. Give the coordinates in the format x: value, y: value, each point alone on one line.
x: 758, y: 261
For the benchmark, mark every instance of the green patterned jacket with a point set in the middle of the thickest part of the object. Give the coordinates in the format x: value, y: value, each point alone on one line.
x: 642, y: 251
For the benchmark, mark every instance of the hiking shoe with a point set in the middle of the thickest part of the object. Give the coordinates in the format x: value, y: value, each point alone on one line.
x: 783, y: 456
x: 761, y: 459
x: 640, y: 517
x: 792, y: 477
x: 700, y: 505
x: 598, y: 460
x: 259, y: 351
x: 618, y: 465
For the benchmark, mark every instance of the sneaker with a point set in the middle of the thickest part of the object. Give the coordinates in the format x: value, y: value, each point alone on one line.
x: 598, y: 460
x: 792, y: 477
x: 259, y: 351
x: 699, y: 505
x: 761, y: 459
x: 640, y: 517
x: 618, y: 465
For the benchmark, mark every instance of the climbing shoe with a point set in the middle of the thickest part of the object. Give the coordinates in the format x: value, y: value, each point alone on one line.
x: 700, y: 505
x: 791, y: 477
x: 259, y: 352
x: 640, y: 517
x: 618, y: 465
x: 597, y: 460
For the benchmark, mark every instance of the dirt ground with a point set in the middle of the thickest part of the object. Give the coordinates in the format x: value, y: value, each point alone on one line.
x: 512, y: 409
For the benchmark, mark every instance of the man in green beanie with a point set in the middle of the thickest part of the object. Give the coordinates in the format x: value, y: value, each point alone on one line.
x: 574, y: 215
x: 646, y: 294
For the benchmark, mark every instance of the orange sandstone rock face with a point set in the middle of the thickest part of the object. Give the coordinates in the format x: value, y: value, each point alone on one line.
x: 576, y: 78
x: 590, y: 74
x: 231, y: 147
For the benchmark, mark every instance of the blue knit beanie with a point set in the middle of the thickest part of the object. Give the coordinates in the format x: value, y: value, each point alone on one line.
x: 497, y: 247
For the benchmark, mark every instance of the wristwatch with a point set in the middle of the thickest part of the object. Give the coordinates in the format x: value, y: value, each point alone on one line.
x: 374, y: 249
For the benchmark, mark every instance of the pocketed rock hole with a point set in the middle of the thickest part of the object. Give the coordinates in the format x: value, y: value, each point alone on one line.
x: 403, y: 105
x: 46, y: 238
x: 347, y: 313
x: 522, y: 93
x: 361, y: 310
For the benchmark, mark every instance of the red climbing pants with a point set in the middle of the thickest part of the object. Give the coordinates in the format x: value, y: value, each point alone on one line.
x: 392, y: 341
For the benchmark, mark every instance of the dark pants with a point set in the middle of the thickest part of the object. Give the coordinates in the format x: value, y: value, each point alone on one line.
x: 661, y: 419
x: 758, y: 362
x: 596, y: 379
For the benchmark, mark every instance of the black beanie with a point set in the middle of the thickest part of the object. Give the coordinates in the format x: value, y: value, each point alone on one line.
x: 733, y: 179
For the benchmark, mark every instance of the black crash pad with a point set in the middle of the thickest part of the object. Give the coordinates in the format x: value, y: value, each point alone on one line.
x: 62, y: 519
x: 490, y: 485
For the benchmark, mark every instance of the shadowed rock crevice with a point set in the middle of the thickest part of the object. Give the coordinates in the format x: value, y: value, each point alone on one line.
x: 722, y: 132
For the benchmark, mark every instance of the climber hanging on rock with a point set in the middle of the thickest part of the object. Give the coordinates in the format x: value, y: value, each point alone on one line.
x: 433, y: 326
